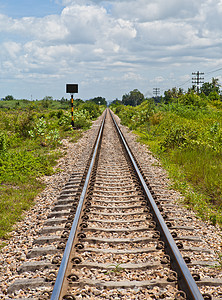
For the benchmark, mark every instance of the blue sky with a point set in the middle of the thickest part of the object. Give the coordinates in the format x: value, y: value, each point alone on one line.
x: 108, y: 47
x: 27, y: 8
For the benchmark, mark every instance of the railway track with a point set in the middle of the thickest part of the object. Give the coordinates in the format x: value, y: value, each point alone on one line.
x: 111, y: 235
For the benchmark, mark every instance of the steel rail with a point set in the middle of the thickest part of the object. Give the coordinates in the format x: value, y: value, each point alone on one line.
x: 64, y: 263
x: 185, y: 279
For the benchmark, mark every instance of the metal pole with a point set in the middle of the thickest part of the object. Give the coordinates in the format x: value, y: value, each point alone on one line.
x: 72, y: 122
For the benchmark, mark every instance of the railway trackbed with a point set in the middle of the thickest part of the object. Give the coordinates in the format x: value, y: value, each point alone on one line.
x: 111, y: 235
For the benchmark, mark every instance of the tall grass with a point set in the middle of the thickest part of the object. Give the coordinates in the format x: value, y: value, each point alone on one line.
x: 202, y: 169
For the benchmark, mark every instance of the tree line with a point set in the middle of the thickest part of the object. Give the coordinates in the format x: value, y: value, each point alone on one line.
x: 211, y: 90
x: 135, y: 97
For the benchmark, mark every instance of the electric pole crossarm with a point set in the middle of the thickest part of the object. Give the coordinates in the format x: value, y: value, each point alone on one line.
x: 197, y: 80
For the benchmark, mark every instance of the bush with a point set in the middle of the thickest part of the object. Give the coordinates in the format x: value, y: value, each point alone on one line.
x: 42, y: 133
x: 23, y: 123
x: 3, y: 142
x: 135, y: 117
x: 81, y: 120
x: 192, y: 100
x: 217, y: 104
x: 179, y: 136
x: 17, y: 167
x: 93, y: 109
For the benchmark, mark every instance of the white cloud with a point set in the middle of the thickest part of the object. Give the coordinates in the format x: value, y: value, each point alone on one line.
x: 144, y: 10
x: 12, y: 49
x: 157, y: 79
x: 115, y: 42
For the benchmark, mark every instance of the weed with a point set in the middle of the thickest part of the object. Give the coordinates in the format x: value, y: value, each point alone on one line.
x: 2, y: 245
x: 116, y: 269
x: 219, y: 261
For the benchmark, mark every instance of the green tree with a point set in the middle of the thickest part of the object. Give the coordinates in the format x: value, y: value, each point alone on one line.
x: 192, y: 99
x: 172, y: 94
x: 78, y: 101
x: 48, y: 98
x: 62, y: 100
x: 208, y: 87
x: 116, y: 102
x: 99, y: 100
x: 134, y: 98
x: 167, y: 96
x: 46, y: 101
x: 9, y: 97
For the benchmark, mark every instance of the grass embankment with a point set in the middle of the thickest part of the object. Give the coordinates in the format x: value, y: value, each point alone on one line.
x: 30, y: 141
x: 187, y: 138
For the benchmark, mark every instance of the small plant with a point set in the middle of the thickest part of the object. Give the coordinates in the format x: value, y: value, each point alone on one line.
x: 219, y: 260
x: 39, y: 129
x: 116, y: 269
x: 213, y: 219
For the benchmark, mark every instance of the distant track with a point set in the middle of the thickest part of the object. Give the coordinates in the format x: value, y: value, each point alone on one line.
x: 110, y: 234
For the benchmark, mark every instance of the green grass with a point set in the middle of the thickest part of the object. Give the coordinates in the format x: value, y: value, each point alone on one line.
x: 187, y: 177
x: 30, y: 141
x: 14, y: 200
x: 19, y: 183
x: 202, y: 169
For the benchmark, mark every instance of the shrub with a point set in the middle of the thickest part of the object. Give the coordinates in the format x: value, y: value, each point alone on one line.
x: 3, y: 142
x: 217, y: 104
x: 42, y: 133
x: 192, y: 100
x: 23, y: 123
x: 178, y: 136
x: 81, y: 120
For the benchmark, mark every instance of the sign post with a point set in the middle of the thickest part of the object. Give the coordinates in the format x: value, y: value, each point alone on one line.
x: 71, y: 89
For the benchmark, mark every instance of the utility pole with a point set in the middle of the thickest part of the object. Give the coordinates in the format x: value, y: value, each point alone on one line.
x: 72, y: 88
x: 197, y: 80
x: 156, y: 91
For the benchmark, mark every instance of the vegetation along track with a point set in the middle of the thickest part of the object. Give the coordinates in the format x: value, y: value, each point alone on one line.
x: 106, y: 238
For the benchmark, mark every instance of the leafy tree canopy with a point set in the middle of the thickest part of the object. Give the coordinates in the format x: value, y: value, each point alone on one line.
x: 134, y: 98
x: 174, y: 93
x: 47, y: 98
x: 116, y: 101
x: 208, y: 87
x: 192, y: 99
x: 9, y: 97
x: 99, y: 100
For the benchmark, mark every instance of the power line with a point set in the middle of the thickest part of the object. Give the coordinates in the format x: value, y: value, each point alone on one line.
x: 207, y: 73
x: 210, y: 72
x: 189, y: 80
x: 196, y: 80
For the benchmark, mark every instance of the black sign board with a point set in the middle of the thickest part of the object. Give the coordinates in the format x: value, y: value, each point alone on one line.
x: 72, y: 88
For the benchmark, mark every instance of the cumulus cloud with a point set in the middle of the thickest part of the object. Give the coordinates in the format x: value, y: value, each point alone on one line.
x: 140, y: 41
x: 144, y: 10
